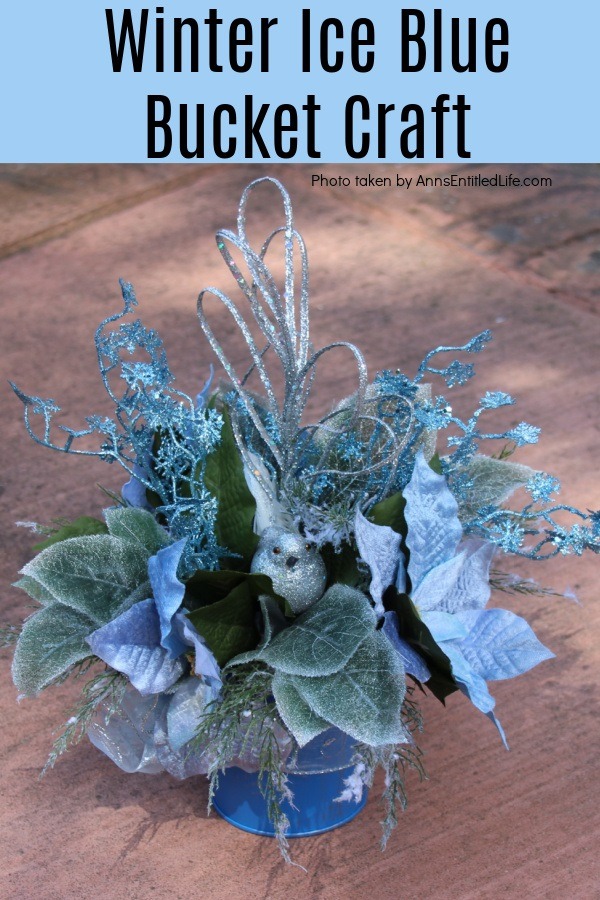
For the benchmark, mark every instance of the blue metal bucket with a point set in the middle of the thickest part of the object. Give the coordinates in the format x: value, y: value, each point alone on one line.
x: 315, y: 781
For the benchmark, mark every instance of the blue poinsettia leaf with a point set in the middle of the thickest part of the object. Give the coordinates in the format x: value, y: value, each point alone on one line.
x: 168, y: 592
x: 379, y: 547
x: 459, y: 583
x: 205, y: 664
x: 412, y: 661
x: 431, y: 514
x: 500, y: 644
x: 131, y: 644
x: 133, y: 491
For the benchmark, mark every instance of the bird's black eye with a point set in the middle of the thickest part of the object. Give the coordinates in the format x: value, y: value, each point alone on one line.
x: 276, y: 549
x: 307, y: 546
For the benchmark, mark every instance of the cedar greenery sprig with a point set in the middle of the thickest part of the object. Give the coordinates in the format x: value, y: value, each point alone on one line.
x: 9, y: 635
x: 105, y: 689
x: 244, y: 720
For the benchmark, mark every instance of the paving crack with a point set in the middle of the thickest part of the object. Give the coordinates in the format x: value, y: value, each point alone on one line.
x: 67, y: 226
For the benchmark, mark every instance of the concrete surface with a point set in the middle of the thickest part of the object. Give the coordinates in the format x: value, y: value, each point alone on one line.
x: 398, y: 271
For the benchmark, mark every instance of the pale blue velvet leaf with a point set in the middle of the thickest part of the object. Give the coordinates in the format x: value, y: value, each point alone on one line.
x: 323, y: 638
x: 460, y: 583
x: 133, y: 491
x: 411, y: 660
x: 364, y: 699
x: 500, y: 644
x: 433, y: 591
x: 138, y: 527
x: 492, y: 717
x: 131, y: 644
x: 379, y: 547
x: 444, y: 626
x: 472, y: 685
x: 168, y: 592
x: 127, y: 736
x: 295, y: 712
x: 432, y: 517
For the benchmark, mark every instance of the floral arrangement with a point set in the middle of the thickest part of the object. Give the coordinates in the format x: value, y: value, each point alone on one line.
x: 262, y: 579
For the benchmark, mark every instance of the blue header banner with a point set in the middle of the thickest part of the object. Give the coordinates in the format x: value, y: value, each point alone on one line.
x: 342, y: 81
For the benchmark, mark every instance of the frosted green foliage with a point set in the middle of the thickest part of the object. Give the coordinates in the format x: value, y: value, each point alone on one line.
x: 158, y: 434
x: 364, y: 698
x: 322, y: 639
x: 94, y: 575
x: 138, y: 527
x: 296, y: 714
x: 35, y: 590
x: 490, y: 482
x: 51, y: 641
x: 273, y: 622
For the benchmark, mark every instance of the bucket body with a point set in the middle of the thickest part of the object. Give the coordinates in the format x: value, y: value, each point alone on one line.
x: 315, y: 779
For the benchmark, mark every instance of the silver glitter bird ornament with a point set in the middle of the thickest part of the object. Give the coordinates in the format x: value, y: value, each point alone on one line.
x: 294, y: 566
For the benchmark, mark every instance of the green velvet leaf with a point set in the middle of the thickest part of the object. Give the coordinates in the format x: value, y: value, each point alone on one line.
x: 274, y: 621
x: 35, y: 590
x: 297, y: 715
x: 93, y: 574
x: 224, y: 478
x: 324, y: 637
x: 229, y: 625
x: 365, y: 697
x: 204, y: 588
x: 138, y: 527
x: 390, y: 512
x: 436, y: 464
x: 341, y: 566
x: 415, y: 632
x: 51, y: 641
x: 84, y: 525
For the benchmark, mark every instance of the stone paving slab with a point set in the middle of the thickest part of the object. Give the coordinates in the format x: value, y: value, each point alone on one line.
x: 397, y: 273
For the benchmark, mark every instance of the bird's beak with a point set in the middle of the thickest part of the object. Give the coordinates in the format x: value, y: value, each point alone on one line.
x: 291, y: 561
